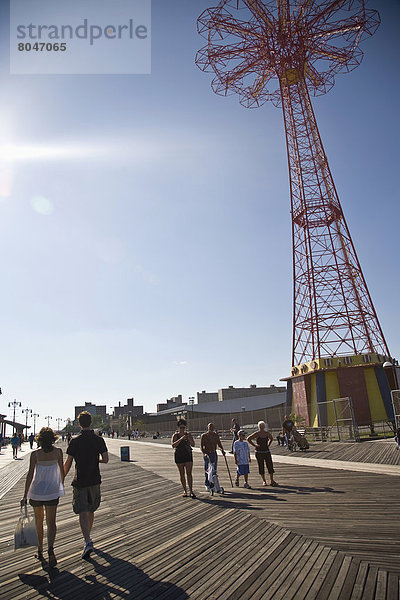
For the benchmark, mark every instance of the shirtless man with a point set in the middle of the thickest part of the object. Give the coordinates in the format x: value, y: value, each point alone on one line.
x: 208, y: 444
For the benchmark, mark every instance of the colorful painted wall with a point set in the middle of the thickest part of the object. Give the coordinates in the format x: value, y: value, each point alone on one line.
x: 368, y: 387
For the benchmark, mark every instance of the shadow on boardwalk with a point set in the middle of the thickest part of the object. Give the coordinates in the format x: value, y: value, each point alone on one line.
x: 112, y: 578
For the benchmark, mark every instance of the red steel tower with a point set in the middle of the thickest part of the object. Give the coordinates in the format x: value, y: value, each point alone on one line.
x: 283, y: 51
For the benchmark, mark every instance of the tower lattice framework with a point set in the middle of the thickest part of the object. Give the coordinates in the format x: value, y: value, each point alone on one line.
x: 284, y: 51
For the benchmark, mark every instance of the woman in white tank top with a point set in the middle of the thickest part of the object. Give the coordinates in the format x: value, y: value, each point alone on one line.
x: 43, y: 487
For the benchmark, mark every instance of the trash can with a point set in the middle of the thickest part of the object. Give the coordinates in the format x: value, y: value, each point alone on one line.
x: 125, y: 453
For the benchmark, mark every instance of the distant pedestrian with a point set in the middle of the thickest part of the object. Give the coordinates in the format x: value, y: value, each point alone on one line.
x: 241, y: 451
x: 235, y: 427
x: 261, y: 440
x: 209, y: 442
x: 43, y: 487
x: 397, y: 438
x: 85, y: 450
x: 15, y: 444
x: 280, y: 439
x: 31, y: 440
x: 287, y: 428
x: 69, y: 437
x: 183, y: 442
x: 20, y: 440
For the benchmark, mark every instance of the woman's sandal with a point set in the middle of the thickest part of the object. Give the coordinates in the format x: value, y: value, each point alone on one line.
x: 184, y: 495
x: 274, y: 484
x: 192, y: 495
x: 52, y: 558
x: 39, y: 555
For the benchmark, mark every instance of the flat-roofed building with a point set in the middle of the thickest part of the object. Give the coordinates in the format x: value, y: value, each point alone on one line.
x: 232, y: 392
x: 93, y: 409
x: 128, y: 409
x: 203, y: 397
x: 170, y: 403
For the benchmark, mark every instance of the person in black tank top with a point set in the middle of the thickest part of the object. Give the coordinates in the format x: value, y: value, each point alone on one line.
x: 261, y: 441
x: 183, y: 442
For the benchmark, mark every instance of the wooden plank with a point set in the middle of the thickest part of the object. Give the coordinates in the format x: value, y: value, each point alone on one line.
x: 340, y: 578
x: 381, y: 585
x: 370, y: 584
x: 349, y: 582
x: 393, y: 584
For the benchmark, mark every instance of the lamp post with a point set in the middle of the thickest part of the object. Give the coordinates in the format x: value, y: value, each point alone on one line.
x: 26, y: 411
x: 191, y: 402
x: 14, y: 405
x: 34, y: 422
x: 129, y: 421
x: 110, y: 420
x: 48, y: 420
x: 58, y: 424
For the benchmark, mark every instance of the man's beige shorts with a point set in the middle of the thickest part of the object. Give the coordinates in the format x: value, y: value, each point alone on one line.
x: 86, y: 499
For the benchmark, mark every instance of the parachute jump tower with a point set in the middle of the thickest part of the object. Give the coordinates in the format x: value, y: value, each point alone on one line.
x: 284, y: 51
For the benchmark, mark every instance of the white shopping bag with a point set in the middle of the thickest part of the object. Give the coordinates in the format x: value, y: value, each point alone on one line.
x: 212, y: 477
x: 210, y: 473
x: 25, y: 531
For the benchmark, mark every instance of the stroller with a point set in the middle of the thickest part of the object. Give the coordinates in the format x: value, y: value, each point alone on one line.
x: 213, y: 481
x: 298, y: 442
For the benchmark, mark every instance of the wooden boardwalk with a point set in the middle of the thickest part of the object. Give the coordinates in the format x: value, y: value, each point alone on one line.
x: 151, y: 543
x: 378, y: 452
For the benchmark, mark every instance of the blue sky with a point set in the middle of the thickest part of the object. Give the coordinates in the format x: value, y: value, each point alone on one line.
x: 150, y: 256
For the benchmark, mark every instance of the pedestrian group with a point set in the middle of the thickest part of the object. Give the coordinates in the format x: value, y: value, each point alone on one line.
x: 47, y: 471
x: 44, y: 483
x: 182, y: 441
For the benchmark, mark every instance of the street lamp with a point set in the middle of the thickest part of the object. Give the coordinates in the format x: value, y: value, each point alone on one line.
x: 26, y: 411
x: 48, y: 420
x: 34, y: 422
x: 14, y: 405
x: 58, y: 424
